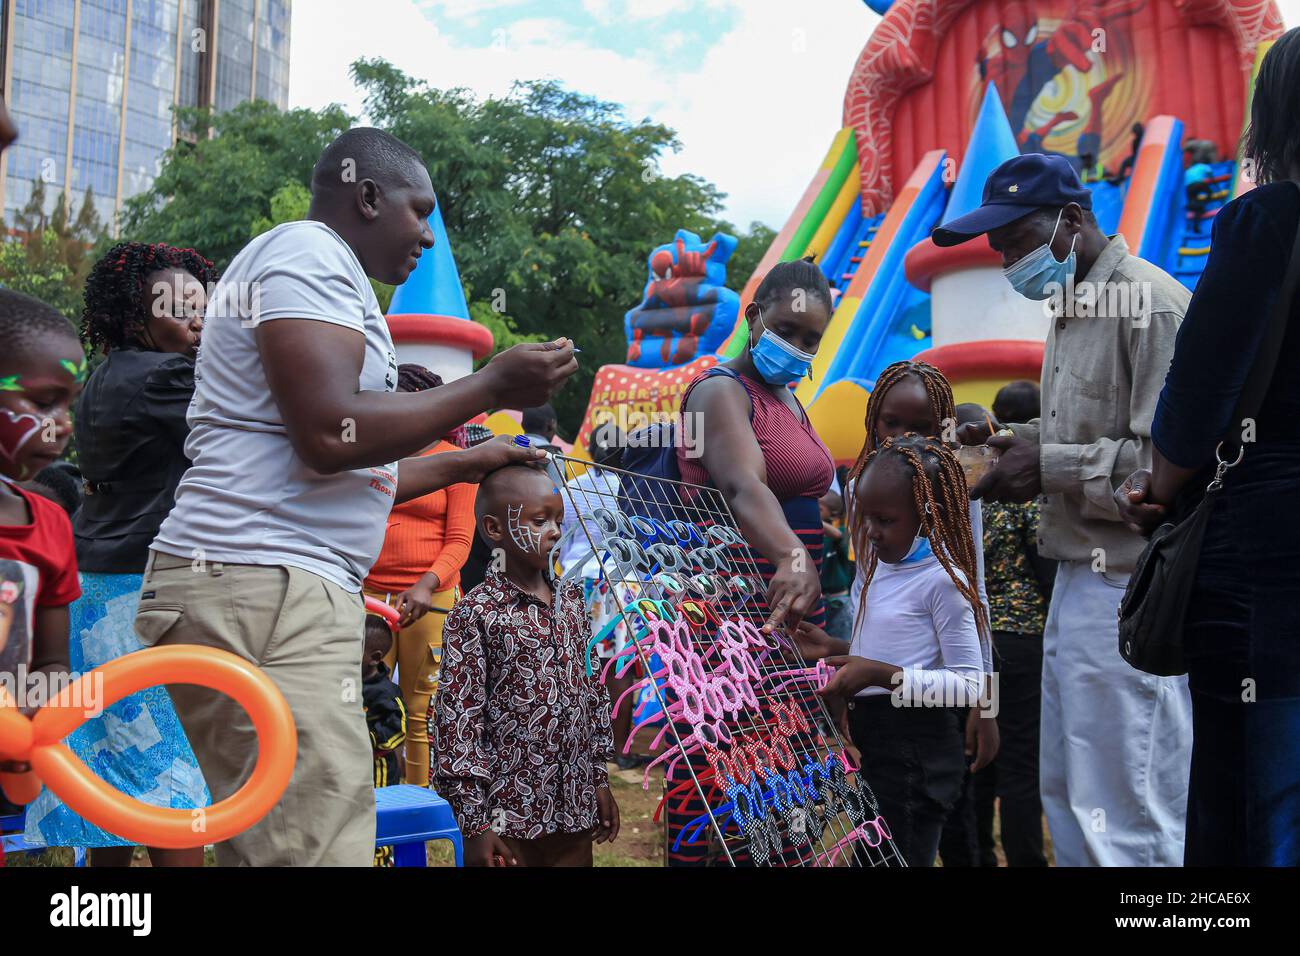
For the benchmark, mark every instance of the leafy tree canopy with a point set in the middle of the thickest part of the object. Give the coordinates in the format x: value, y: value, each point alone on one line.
x: 552, y: 200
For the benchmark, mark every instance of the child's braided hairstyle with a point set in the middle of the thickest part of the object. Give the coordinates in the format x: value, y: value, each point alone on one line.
x: 942, y: 405
x: 117, y: 306
x: 942, y: 501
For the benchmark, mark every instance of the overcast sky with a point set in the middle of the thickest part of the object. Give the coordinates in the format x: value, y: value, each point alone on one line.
x: 754, y: 88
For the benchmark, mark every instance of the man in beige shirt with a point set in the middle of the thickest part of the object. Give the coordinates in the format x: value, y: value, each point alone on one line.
x: 1115, y: 744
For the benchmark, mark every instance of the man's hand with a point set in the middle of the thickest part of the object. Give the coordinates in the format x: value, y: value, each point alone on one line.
x: 478, y: 462
x: 983, y: 739
x: 814, y: 643
x: 488, y: 849
x: 853, y: 674
x: 791, y: 594
x: 974, y: 433
x: 1135, y: 508
x: 1018, y: 474
x: 607, y: 810
x: 415, y: 601
x: 528, y: 374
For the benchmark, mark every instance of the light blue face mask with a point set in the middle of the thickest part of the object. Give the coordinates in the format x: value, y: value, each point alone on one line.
x: 1034, y: 275
x: 777, y: 361
x: 919, y: 551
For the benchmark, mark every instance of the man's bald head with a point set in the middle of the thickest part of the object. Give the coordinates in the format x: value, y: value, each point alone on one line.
x: 365, y: 153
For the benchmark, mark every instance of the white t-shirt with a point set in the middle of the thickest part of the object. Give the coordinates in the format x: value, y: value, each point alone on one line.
x: 977, y: 533
x: 916, y: 619
x: 248, y: 498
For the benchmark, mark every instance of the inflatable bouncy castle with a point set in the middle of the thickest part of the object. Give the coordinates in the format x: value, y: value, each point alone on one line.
x: 943, y: 92
x: 673, y: 334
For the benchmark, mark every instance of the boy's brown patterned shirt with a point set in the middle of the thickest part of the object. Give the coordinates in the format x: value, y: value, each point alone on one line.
x: 519, y: 733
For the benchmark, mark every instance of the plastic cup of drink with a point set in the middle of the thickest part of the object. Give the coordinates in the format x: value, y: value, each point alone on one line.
x: 975, y: 461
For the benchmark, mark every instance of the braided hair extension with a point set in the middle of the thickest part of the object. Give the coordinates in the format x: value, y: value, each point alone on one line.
x: 117, y: 306
x: 942, y: 405
x: 943, y: 502
x: 417, y: 378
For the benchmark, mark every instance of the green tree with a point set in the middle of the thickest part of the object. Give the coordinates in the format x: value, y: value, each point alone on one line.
x: 52, y: 253
x: 552, y: 201
x: 210, y: 193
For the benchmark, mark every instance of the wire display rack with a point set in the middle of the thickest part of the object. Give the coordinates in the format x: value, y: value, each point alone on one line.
x: 744, y: 732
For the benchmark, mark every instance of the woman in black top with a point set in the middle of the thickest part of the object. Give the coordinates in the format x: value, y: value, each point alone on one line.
x: 1242, y: 635
x: 144, y: 311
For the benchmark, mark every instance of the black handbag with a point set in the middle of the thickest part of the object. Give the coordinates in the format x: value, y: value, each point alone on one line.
x: 1154, y: 610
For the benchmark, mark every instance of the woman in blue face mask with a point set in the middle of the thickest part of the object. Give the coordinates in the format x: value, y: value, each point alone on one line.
x: 754, y: 443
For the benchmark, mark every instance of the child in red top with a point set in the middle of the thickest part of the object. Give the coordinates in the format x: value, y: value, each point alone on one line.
x: 42, y: 368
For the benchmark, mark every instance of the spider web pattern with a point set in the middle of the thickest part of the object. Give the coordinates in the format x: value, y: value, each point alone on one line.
x: 779, y: 789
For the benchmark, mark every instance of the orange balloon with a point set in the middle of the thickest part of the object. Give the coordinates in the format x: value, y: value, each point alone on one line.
x: 122, y: 815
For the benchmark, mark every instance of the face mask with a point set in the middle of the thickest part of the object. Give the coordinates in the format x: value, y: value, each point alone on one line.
x: 777, y: 361
x: 1033, y: 274
x: 919, y: 551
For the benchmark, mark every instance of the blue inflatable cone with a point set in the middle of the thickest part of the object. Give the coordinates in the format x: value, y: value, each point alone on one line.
x: 429, y: 318
x: 990, y: 145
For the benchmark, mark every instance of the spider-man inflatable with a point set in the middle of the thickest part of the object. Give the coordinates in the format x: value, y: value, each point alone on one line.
x: 1023, y: 62
x: 687, y: 310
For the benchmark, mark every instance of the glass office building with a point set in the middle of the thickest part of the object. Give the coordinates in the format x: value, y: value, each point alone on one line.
x: 91, y: 84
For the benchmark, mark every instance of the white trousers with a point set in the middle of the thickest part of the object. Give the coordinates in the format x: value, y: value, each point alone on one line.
x: 1116, y: 744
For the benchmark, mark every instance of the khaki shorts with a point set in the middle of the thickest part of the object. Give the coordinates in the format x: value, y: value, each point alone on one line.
x: 306, y: 634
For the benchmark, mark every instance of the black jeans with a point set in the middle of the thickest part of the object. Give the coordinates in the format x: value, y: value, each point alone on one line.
x: 1012, y: 778
x: 959, y: 845
x: 912, y: 759
x: 1242, y: 650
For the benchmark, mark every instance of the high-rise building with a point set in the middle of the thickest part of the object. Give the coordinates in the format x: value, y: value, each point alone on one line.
x: 91, y: 84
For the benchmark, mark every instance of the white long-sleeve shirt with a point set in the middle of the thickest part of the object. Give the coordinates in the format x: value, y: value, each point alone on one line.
x: 917, y: 620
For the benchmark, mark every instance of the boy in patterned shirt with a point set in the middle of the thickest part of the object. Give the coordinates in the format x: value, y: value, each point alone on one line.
x: 520, y: 733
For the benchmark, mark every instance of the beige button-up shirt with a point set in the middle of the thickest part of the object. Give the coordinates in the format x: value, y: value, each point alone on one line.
x: 1108, y: 349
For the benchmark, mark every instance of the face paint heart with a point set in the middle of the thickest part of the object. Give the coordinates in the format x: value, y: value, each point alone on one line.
x: 16, y: 431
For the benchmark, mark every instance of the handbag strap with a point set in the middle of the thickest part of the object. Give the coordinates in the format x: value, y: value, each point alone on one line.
x: 1261, y: 373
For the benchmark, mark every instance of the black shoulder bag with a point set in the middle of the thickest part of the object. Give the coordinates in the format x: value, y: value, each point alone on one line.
x: 1154, y: 610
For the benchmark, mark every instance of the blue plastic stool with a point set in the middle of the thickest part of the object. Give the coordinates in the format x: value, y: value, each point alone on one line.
x: 407, y: 816
x: 14, y: 842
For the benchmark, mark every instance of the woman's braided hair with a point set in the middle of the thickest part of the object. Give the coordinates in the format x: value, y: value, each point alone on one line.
x: 943, y: 502
x: 117, y: 306
x: 942, y: 405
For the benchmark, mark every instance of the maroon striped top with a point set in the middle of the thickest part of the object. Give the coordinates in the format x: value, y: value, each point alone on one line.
x: 798, y: 463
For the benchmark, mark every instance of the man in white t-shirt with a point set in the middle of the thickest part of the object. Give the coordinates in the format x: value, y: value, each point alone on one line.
x: 296, y: 431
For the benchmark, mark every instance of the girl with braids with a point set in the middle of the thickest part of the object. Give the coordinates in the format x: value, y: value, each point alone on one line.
x: 144, y: 312
x: 921, y: 612
x: 915, y: 397
x: 418, y: 573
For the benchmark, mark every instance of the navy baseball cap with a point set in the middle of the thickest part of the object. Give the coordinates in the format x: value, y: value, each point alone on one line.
x: 1015, y: 189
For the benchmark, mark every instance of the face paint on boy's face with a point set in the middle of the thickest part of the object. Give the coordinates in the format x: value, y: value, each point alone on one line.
x: 35, y: 406
x: 16, y: 430
x: 524, y: 537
